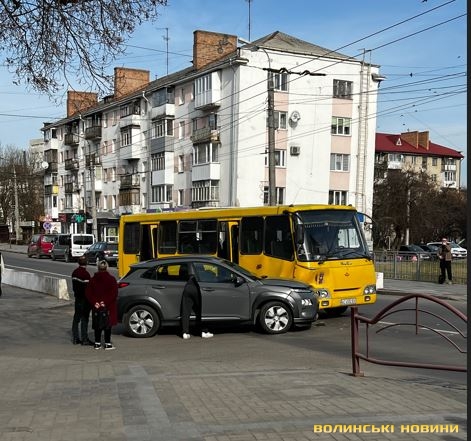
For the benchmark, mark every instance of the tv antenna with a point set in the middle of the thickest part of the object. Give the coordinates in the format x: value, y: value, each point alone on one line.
x: 166, y: 38
x: 250, y: 16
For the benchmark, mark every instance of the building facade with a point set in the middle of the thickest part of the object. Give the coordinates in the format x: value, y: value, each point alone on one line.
x: 414, y: 151
x: 199, y: 137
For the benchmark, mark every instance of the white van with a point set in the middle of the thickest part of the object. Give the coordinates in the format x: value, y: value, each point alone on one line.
x: 71, y: 246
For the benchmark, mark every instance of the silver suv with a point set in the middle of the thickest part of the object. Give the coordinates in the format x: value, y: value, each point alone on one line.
x: 150, y: 296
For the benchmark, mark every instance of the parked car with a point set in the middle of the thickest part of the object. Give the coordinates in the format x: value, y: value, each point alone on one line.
x: 41, y: 245
x: 457, y: 252
x: 413, y: 252
x: 102, y: 251
x: 431, y: 249
x: 70, y: 247
x: 150, y: 296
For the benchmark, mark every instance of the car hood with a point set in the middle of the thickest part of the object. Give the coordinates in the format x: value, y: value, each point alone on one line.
x: 287, y: 283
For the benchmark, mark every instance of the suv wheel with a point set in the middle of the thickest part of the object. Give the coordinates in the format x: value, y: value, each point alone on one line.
x: 275, y: 318
x: 141, y: 321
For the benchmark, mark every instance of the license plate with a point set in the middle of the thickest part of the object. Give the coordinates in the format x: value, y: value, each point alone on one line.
x: 348, y: 301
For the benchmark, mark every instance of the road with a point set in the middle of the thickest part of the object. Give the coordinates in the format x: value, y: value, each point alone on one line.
x: 332, y: 335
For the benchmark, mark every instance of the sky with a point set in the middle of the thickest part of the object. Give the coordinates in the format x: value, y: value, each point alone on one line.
x: 420, y: 46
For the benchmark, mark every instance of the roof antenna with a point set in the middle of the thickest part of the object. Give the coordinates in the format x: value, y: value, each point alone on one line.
x: 249, y: 2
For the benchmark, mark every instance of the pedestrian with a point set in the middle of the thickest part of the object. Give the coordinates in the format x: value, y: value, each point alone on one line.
x: 444, y: 255
x: 191, y: 300
x: 102, y: 292
x: 80, y: 280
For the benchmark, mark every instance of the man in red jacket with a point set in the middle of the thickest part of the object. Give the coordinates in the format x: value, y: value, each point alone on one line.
x: 102, y: 292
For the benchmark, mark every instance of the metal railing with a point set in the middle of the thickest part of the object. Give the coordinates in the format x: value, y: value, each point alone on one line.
x: 356, y: 320
x: 410, y: 266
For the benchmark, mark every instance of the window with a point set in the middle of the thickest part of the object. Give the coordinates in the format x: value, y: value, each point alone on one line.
x: 337, y: 197
x: 182, y: 96
x: 449, y: 176
x: 280, y: 195
x: 434, y: 162
x: 133, y: 108
x: 339, y: 162
x: 203, y: 84
x: 162, y: 127
x: 181, y: 163
x: 181, y: 130
x: 158, y: 161
x: 280, y: 158
x: 251, y: 235
x: 126, y: 138
x: 199, y: 236
x: 343, y: 89
x: 205, y: 153
x: 203, y: 191
x: 280, y: 80
x: 280, y: 119
x: 278, y: 242
x: 341, y: 126
x: 167, y: 237
x: 161, y: 193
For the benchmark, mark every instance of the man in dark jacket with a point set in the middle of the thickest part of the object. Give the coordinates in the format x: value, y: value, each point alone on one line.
x: 80, y: 279
x: 191, y: 300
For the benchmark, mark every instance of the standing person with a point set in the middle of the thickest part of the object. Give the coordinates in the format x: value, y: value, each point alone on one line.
x: 80, y: 279
x: 191, y: 300
x: 102, y: 291
x: 444, y: 254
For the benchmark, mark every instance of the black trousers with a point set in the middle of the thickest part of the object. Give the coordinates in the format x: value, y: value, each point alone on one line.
x: 191, y: 303
x: 446, y: 265
x: 106, y: 331
x: 81, y: 316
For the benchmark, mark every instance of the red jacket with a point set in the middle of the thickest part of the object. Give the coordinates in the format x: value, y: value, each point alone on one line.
x: 104, y: 288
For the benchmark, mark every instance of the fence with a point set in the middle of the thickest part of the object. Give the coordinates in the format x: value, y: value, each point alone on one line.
x: 409, y: 266
x: 457, y: 322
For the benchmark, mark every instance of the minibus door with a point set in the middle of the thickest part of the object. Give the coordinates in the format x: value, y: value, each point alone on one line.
x: 228, y: 243
x: 148, y: 246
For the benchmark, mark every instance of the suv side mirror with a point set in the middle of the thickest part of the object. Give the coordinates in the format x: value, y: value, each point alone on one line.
x: 239, y: 281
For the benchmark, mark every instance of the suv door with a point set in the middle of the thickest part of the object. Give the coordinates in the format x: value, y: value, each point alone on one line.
x: 221, y: 298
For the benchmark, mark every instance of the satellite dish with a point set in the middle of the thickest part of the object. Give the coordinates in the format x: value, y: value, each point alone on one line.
x: 44, y: 165
x: 295, y: 116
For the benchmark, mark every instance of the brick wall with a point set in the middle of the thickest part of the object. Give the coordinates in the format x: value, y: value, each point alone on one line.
x: 211, y: 46
x: 80, y: 101
x: 128, y: 80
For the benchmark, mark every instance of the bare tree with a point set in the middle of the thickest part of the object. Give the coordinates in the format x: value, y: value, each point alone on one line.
x: 46, y: 42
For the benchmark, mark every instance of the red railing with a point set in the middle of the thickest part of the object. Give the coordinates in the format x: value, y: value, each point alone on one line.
x: 389, y: 310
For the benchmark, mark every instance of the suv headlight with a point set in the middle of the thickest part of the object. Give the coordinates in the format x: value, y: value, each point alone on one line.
x: 369, y: 289
x: 306, y: 302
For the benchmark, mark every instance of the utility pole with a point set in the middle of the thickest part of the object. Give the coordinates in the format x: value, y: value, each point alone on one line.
x: 271, y: 139
x: 17, y: 208
x: 93, y: 196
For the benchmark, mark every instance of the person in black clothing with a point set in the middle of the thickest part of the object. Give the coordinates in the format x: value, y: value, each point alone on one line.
x: 191, y: 300
x: 80, y: 279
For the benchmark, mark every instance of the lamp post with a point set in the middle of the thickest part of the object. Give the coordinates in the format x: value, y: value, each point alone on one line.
x: 17, y: 208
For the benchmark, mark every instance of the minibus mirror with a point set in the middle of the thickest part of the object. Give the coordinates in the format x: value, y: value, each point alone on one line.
x: 299, y: 234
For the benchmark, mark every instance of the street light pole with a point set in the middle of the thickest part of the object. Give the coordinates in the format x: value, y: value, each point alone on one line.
x: 17, y: 208
x: 271, y: 138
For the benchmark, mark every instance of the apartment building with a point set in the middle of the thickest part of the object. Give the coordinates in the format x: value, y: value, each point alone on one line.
x: 414, y: 151
x: 199, y: 137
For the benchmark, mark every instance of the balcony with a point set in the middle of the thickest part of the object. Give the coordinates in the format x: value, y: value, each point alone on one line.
x: 71, y: 139
x: 129, y: 181
x: 130, y: 120
x: 449, y: 167
x: 205, y: 172
x: 71, y: 164
x: 49, y: 190
x: 208, y: 99
x: 93, y: 132
x: 205, y: 134
x: 52, y: 168
x: 163, y: 110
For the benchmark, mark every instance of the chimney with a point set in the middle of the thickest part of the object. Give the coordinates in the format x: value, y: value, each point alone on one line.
x: 424, y: 140
x: 128, y: 80
x: 411, y: 137
x: 80, y: 101
x: 211, y: 46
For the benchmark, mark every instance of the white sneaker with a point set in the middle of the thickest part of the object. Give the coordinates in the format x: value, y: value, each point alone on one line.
x: 186, y: 336
x: 207, y: 335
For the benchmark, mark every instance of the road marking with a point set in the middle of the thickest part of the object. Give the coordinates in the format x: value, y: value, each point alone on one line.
x: 443, y: 331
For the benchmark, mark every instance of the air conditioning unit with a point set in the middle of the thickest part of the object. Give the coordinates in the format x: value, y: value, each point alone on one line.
x: 294, y: 150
